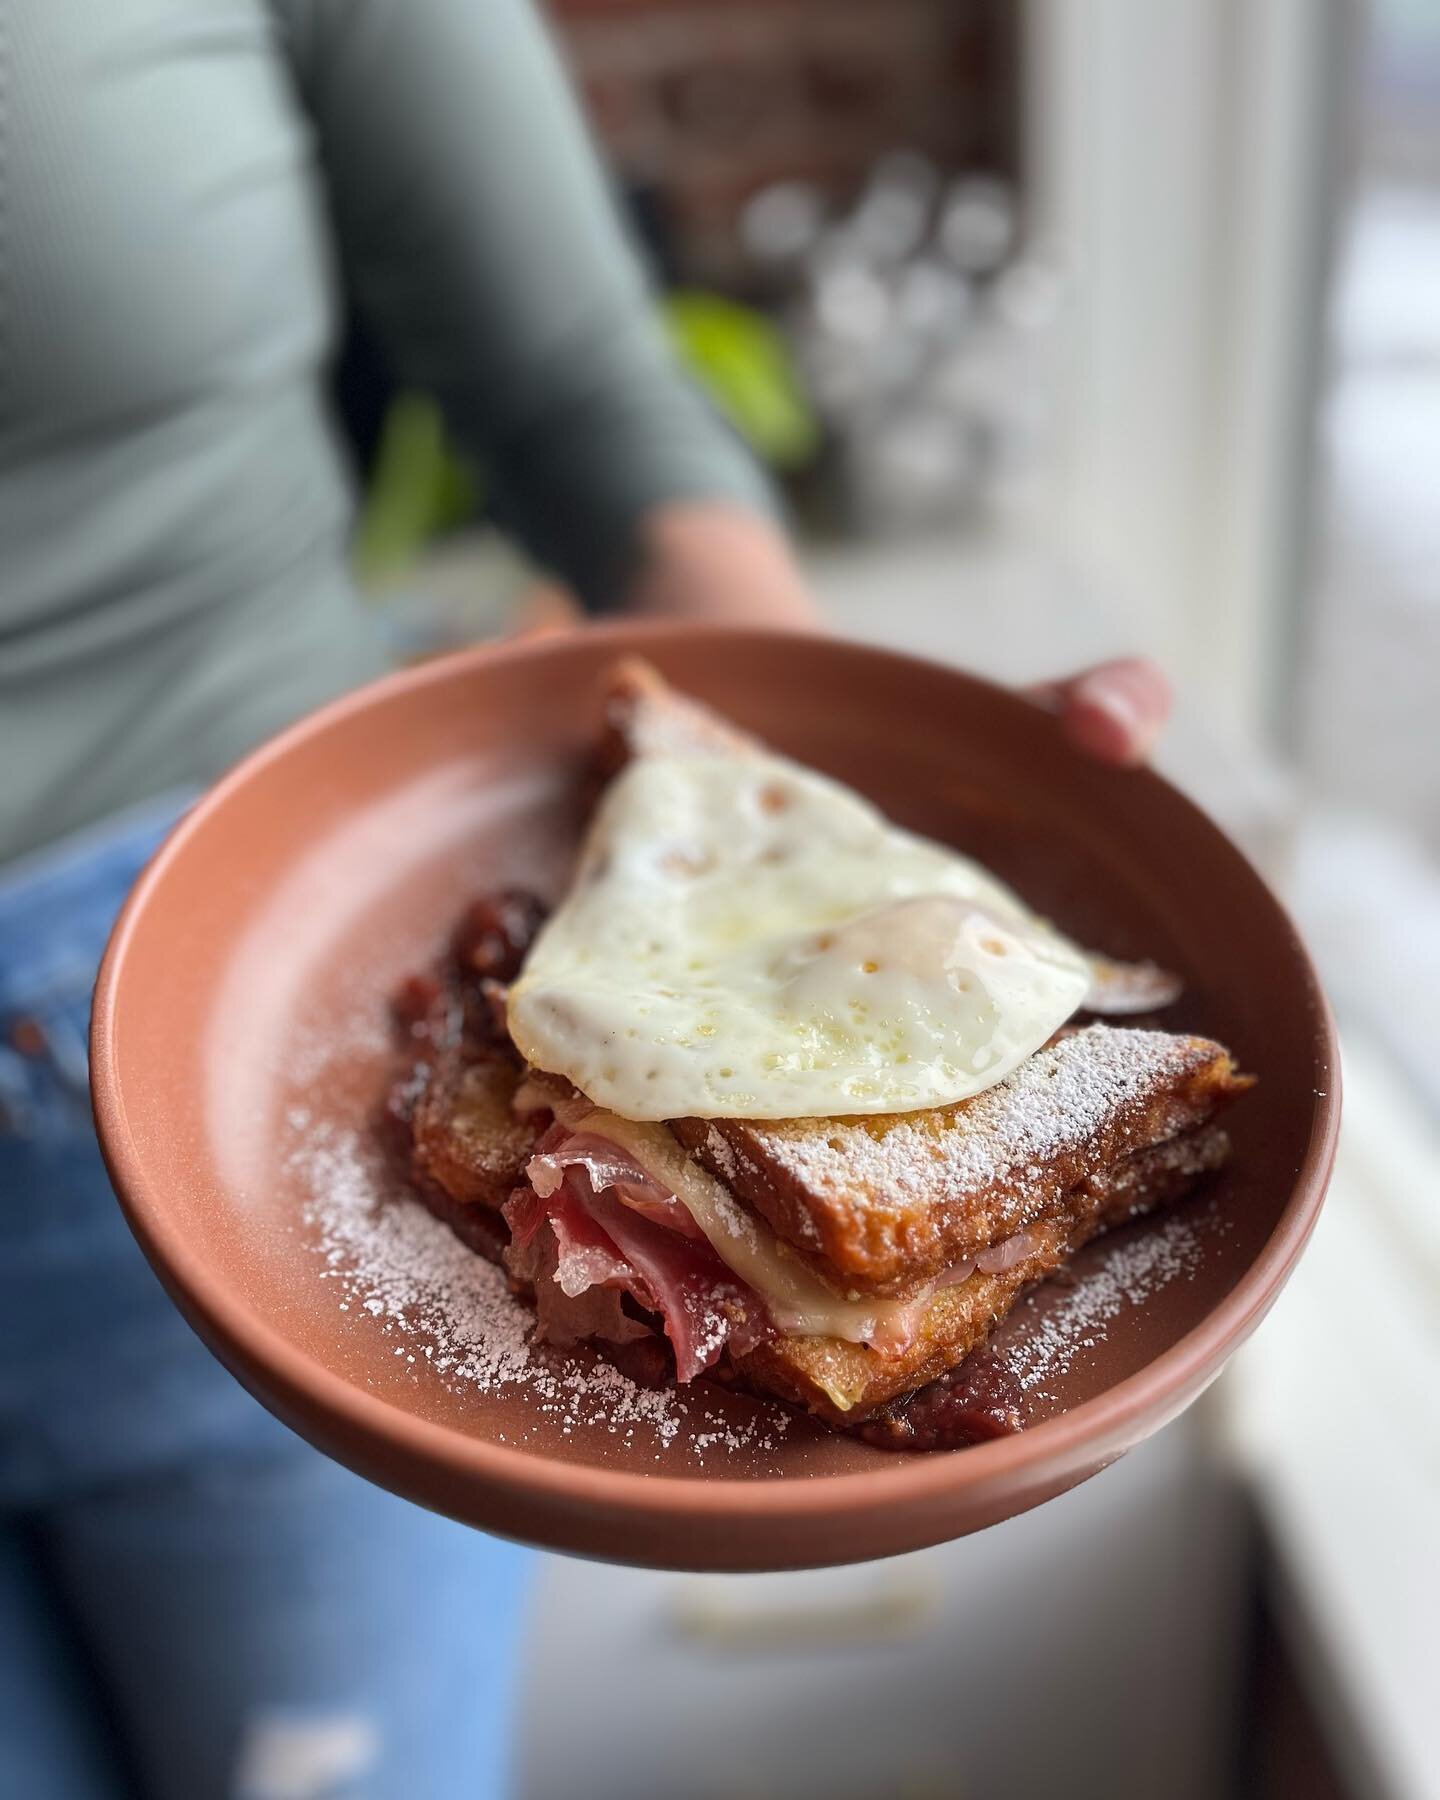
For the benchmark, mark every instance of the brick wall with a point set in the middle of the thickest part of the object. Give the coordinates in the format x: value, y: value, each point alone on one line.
x: 708, y: 100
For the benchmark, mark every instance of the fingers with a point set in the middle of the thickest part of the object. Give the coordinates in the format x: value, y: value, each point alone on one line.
x: 1114, y: 712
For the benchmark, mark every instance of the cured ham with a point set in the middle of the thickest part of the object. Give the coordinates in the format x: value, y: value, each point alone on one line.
x: 612, y: 1227
x: 609, y: 1168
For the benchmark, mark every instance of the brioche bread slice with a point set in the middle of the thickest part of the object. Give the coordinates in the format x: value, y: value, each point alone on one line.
x: 462, y: 1145
x: 844, y: 1383
x: 883, y: 1204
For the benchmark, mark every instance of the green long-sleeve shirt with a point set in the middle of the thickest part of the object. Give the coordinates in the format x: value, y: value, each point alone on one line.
x: 183, y: 181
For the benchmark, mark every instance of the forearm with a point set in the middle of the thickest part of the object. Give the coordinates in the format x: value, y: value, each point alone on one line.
x: 711, y: 560
x: 632, y: 479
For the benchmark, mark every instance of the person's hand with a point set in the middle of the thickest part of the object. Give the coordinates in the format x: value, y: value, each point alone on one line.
x: 1114, y: 712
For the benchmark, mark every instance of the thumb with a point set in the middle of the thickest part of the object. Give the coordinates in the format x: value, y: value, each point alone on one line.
x: 1114, y: 712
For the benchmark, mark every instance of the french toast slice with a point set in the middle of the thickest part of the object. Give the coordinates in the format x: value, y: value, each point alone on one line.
x: 883, y: 1204
x: 468, y: 1150
x: 467, y: 1139
x: 465, y: 1146
x: 844, y: 1383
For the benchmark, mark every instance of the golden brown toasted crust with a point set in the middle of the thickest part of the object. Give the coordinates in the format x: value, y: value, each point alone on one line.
x: 882, y: 1205
x: 811, y: 1371
x: 467, y: 1145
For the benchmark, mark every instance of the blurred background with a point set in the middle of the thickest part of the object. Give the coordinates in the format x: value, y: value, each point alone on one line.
x: 1070, y: 331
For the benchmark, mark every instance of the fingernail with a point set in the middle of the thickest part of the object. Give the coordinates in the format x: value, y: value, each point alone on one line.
x: 1137, y: 725
x: 1119, y: 704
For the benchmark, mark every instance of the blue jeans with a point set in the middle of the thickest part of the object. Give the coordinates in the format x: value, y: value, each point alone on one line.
x: 192, y: 1601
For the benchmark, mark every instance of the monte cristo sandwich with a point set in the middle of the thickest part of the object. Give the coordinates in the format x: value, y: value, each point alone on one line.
x: 785, y: 1096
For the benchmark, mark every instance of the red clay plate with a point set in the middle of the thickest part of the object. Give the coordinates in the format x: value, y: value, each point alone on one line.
x: 239, y: 1046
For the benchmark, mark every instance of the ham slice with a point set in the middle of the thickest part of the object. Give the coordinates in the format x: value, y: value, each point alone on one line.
x: 705, y: 1307
x: 588, y: 1311
x: 585, y: 1257
x: 651, y: 1250
x: 1004, y: 1255
x: 609, y: 1168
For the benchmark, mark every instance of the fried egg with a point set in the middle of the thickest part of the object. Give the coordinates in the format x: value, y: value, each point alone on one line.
x: 746, y: 938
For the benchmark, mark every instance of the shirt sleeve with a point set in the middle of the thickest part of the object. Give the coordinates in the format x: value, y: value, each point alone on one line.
x: 479, y: 237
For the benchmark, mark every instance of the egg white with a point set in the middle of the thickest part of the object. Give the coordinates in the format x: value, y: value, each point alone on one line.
x: 746, y: 938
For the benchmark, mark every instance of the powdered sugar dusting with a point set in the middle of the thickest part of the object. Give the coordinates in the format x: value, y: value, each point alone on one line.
x: 447, y: 1306
x: 357, y: 1030
x: 1051, y: 1335
x: 1060, y: 1099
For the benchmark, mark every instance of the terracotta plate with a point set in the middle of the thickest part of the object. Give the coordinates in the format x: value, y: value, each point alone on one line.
x: 239, y: 1048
